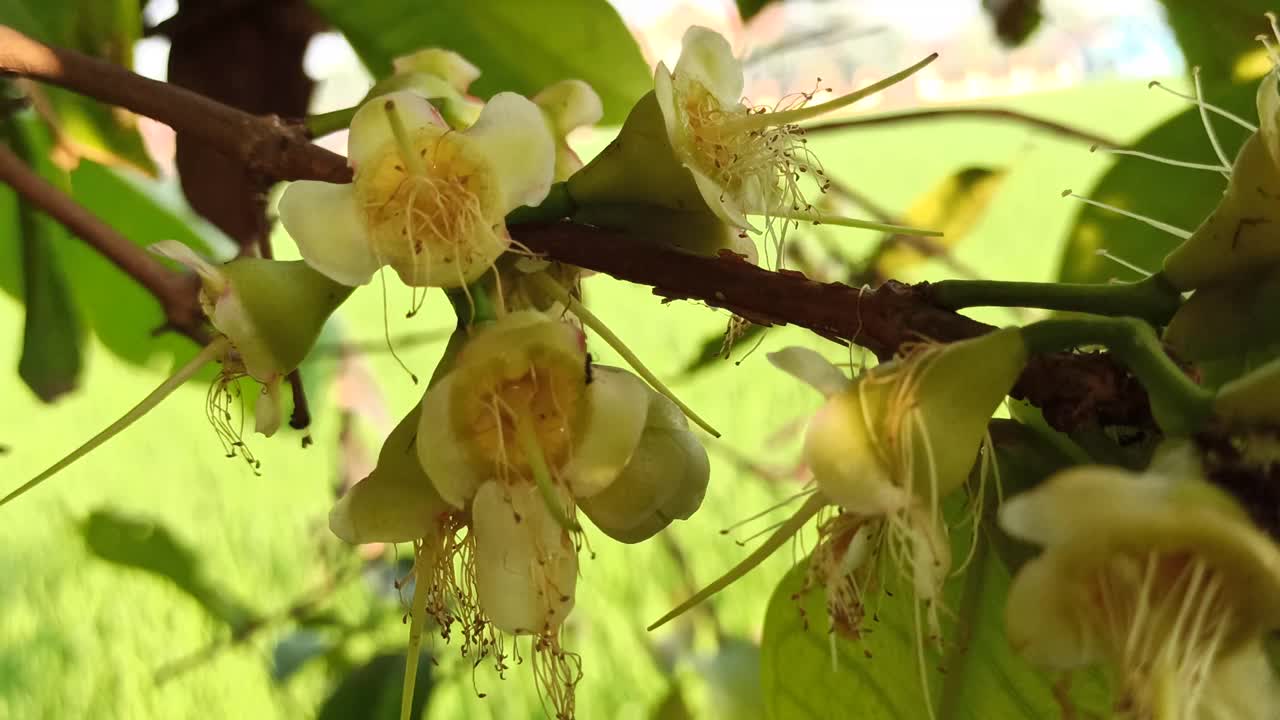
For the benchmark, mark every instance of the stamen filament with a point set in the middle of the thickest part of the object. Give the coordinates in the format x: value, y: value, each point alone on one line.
x: 527, y: 436
x: 1166, y: 227
x: 1208, y: 106
x: 760, y: 121
x: 548, y: 285
x: 212, y: 351
x: 784, y: 533
x: 1204, y: 118
x: 417, y: 614
x: 818, y: 218
x: 1162, y: 160
x: 412, y: 161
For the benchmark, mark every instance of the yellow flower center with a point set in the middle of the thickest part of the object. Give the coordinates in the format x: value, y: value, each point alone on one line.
x: 441, y: 215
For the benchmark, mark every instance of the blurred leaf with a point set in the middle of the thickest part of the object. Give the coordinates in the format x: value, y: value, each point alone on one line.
x: 712, y: 349
x: 52, y: 333
x: 372, y: 691
x: 295, y: 650
x: 1177, y: 196
x: 519, y: 46
x: 106, y: 29
x: 953, y: 206
x: 732, y: 676
x: 146, y: 545
x: 1014, y: 20
x: 673, y: 706
x: 1220, y: 36
x: 808, y: 673
x: 747, y: 9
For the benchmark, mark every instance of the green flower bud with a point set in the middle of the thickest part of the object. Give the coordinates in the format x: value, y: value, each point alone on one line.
x: 396, y: 503
x: 441, y: 76
x: 1239, y: 236
x: 665, y: 479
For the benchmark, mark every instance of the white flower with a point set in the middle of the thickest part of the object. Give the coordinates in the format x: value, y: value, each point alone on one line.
x: 567, y: 106
x: 426, y: 200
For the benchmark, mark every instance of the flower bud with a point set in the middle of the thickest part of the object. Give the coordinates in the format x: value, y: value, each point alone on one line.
x: 396, y: 502
x: 441, y: 76
x: 665, y: 480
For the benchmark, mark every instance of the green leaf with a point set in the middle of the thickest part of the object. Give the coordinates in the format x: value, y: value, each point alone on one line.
x: 52, y: 333
x: 1218, y: 37
x: 518, y: 46
x: 672, y: 706
x: 295, y: 650
x: 1177, y: 196
x: 810, y: 673
x: 953, y: 206
x: 372, y: 691
x: 146, y: 545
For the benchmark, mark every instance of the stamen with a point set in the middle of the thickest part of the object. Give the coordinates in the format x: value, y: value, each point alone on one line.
x: 1104, y: 253
x: 760, y: 121
x: 777, y: 506
x: 1271, y: 50
x: 1204, y: 118
x: 792, y: 526
x: 412, y: 161
x: 216, y: 349
x: 1208, y: 106
x: 386, y: 327
x: 1162, y: 160
x: 1172, y: 230
x: 548, y: 285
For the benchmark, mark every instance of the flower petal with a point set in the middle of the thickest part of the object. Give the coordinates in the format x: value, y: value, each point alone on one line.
x: 569, y: 104
x: 270, y: 408
x: 447, y: 65
x: 705, y: 57
x: 617, y: 404
x: 514, y: 137
x: 214, y: 281
x: 441, y: 451
x: 841, y: 450
x: 526, y: 565
x: 807, y: 365
x: 371, y: 128
x: 1039, y: 620
x: 721, y: 203
x: 325, y: 223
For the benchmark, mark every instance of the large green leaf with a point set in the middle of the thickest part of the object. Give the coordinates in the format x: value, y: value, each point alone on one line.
x: 809, y: 673
x: 146, y: 545
x: 519, y: 46
x: 52, y: 333
x: 1216, y: 35
x: 1177, y: 196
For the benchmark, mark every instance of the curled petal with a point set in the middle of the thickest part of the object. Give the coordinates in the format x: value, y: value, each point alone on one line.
x: 324, y: 221
x: 270, y: 408
x: 569, y: 104
x: 807, y: 365
x: 706, y: 58
x: 617, y: 405
x: 1040, y: 622
x: 447, y: 65
x: 515, y: 139
x: 526, y: 564
x: 441, y: 450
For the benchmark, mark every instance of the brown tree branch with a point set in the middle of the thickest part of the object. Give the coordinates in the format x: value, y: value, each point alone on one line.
x: 176, y: 293
x: 265, y: 145
x: 1071, y: 388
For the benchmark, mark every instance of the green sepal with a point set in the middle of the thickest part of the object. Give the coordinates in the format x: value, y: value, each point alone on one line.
x: 287, y: 303
x: 397, y: 501
x: 1253, y: 399
x: 665, y: 480
x: 1228, y: 320
x: 1239, y: 236
x: 696, y: 231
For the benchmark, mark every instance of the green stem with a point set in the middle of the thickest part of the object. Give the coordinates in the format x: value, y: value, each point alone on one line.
x: 548, y: 285
x: 417, y: 615
x: 527, y: 436
x: 1179, y: 405
x: 211, y: 352
x: 1152, y: 299
x: 558, y: 205
x: 472, y: 304
x: 816, y: 502
x: 330, y: 122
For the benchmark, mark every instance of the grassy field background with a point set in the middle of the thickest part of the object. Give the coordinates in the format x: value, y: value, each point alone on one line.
x: 81, y: 638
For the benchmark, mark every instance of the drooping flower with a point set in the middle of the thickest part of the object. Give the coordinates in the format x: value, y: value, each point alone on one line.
x: 439, y: 75
x: 695, y: 146
x: 426, y: 200
x: 518, y: 405
x: 271, y: 311
x: 1159, y: 577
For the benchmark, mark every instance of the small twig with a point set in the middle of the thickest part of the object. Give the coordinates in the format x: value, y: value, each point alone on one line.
x: 176, y: 293
x: 1005, y: 114
x: 300, y: 419
x: 265, y: 145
